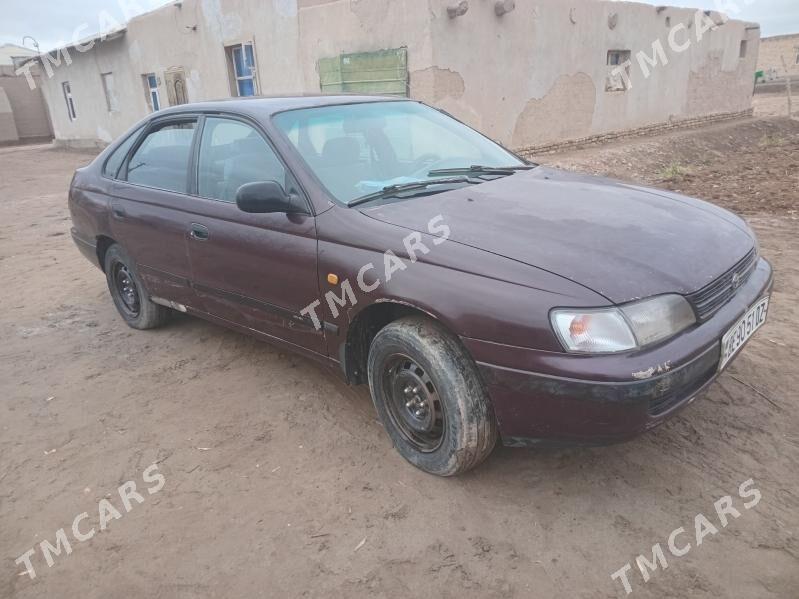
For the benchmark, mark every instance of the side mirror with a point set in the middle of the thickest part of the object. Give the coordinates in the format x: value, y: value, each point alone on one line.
x: 265, y: 197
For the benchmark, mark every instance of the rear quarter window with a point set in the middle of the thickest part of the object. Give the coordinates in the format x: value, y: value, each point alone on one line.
x: 114, y: 162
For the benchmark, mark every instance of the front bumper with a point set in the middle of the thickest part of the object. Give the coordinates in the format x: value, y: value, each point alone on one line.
x: 559, y: 398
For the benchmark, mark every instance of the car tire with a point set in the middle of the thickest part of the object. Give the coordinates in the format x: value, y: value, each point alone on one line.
x: 129, y: 294
x: 430, y: 398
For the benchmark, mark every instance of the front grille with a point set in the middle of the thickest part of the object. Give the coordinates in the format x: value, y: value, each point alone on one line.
x: 708, y: 300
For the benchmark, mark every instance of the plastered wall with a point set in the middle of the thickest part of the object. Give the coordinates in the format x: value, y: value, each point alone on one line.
x: 541, y: 73
x: 534, y: 75
x: 8, y: 128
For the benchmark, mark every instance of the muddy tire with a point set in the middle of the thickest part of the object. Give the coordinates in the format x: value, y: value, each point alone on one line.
x: 430, y: 398
x: 129, y: 294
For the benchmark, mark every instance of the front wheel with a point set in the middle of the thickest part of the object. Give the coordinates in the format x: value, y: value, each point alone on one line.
x: 128, y: 293
x: 429, y: 397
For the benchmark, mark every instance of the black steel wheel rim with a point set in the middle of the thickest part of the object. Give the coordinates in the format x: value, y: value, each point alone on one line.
x: 126, y: 289
x: 413, y: 403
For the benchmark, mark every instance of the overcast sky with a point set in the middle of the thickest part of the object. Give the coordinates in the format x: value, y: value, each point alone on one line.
x: 53, y: 22
x: 776, y: 17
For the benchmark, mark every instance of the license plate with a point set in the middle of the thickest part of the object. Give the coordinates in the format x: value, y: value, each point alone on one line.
x: 742, y: 330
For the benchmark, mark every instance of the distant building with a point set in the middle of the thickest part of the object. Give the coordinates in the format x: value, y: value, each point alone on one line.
x: 773, y: 50
x: 23, y: 112
x: 528, y: 73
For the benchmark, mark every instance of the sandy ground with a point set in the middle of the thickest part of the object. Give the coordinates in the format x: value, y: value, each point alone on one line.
x: 280, y: 482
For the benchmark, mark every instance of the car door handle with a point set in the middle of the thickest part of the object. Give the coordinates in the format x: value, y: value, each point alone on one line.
x: 118, y: 211
x: 199, y: 232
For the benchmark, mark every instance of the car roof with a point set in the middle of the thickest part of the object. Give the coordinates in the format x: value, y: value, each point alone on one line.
x: 265, y: 107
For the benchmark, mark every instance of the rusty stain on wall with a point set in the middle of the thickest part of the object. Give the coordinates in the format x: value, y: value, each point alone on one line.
x: 542, y: 118
x: 435, y: 84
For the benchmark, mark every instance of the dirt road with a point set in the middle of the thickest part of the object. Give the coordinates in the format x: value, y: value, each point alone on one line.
x: 279, y: 482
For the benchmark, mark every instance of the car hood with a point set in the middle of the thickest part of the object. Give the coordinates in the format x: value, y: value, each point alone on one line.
x: 622, y: 241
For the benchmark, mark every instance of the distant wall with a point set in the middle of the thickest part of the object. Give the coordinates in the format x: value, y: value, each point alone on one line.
x: 536, y: 75
x: 28, y: 108
x: 192, y: 36
x: 8, y: 128
x: 774, y: 49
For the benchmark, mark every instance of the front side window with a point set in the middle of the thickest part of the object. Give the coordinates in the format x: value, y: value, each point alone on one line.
x: 69, y: 101
x: 232, y: 154
x: 359, y: 149
x: 162, y: 159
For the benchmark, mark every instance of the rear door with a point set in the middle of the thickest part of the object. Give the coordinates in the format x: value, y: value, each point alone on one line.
x: 255, y: 270
x: 149, y: 205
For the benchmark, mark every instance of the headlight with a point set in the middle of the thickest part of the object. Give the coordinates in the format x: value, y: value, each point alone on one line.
x: 659, y: 318
x: 632, y: 326
x: 593, y: 331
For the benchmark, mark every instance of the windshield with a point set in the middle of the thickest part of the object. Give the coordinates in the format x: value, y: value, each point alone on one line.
x: 359, y: 149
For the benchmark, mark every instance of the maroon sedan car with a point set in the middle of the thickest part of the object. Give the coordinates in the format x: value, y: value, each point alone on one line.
x: 478, y: 295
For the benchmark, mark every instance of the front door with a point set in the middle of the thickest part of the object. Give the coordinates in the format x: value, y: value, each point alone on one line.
x: 255, y: 270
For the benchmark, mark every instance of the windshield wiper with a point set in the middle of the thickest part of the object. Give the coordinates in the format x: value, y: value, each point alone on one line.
x: 477, y: 169
x: 390, y: 190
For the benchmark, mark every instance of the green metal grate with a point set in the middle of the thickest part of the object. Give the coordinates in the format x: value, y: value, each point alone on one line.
x: 380, y: 72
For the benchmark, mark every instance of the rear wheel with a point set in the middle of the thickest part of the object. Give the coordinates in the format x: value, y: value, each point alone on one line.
x: 129, y: 294
x: 429, y: 397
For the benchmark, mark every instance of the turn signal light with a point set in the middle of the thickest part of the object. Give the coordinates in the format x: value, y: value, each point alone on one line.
x: 579, y: 326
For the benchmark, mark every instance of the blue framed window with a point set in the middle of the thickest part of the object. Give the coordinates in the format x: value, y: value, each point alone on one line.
x: 242, y: 57
x: 151, y: 85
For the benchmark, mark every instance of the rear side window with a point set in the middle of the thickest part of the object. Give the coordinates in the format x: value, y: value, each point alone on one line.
x: 162, y: 159
x: 111, y: 168
x: 232, y: 154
